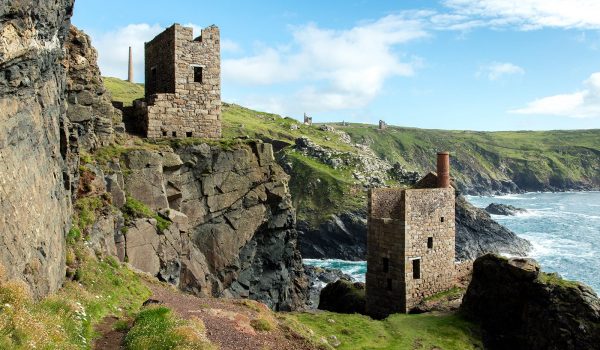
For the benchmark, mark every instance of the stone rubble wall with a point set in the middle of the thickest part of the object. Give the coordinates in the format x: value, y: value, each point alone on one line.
x: 425, y: 210
x: 35, y: 149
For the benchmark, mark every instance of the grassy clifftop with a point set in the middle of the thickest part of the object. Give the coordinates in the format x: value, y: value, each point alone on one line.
x: 482, y: 162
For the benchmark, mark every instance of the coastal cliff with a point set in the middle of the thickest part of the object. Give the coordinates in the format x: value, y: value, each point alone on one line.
x: 224, y: 225
x: 35, y: 153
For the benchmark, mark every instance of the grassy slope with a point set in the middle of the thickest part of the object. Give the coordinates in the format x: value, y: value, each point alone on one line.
x: 123, y: 91
x: 550, y: 157
x: 400, y: 331
x: 553, y: 156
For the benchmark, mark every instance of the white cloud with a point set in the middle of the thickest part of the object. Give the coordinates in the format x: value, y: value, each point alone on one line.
x: 496, y: 70
x: 334, y: 69
x: 531, y: 14
x: 584, y: 103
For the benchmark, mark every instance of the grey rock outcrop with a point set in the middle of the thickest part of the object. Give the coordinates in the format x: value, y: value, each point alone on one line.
x: 318, y: 278
x: 345, y: 236
x: 477, y: 234
x: 35, y: 150
x: 503, y: 209
x: 519, y: 307
x: 89, y: 104
x: 232, y: 225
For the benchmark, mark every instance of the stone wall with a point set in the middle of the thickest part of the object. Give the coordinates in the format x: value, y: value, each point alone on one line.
x: 176, y: 104
x: 429, y: 219
x: 400, y: 224
x: 35, y: 179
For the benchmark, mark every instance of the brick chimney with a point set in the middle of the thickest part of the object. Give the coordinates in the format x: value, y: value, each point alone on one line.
x: 443, y: 169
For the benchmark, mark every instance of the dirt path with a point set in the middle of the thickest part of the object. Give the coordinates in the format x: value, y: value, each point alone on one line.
x: 110, y: 339
x: 228, y: 321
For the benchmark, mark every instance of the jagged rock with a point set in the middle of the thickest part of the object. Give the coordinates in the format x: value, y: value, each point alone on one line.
x: 519, y: 307
x: 89, y: 104
x: 142, y: 243
x: 318, y: 278
x: 145, y: 180
x: 102, y: 235
x: 503, y: 209
x: 477, y: 233
x: 340, y: 237
x: 38, y: 156
x: 345, y: 236
x: 233, y: 232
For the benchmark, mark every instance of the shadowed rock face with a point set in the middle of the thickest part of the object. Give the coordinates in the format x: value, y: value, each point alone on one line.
x: 232, y: 231
x: 519, y: 307
x: 344, y: 236
x: 35, y: 179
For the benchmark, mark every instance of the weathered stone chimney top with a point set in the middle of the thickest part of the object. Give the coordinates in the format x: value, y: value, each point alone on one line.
x: 443, y: 169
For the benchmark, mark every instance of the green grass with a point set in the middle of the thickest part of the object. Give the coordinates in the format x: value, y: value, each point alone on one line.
x: 555, y: 279
x: 261, y: 324
x: 122, y: 90
x: 399, y: 331
x: 65, y: 320
x: 156, y: 328
x: 452, y: 293
x: 535, y: 158
x: 134, y: 208
x: 87, y: 208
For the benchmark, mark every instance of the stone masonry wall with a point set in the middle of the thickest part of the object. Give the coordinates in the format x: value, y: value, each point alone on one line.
x: 385, y: 292
x: 193, y: 109
x: 159, y: 55
x: 399, y: 225
x: 429, y: 214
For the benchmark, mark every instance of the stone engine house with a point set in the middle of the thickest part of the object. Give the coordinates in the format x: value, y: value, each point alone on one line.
x: 410, y: 244
x: 182, y: 85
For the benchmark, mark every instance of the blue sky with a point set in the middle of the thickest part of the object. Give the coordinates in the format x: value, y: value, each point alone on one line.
x: 451, y: 64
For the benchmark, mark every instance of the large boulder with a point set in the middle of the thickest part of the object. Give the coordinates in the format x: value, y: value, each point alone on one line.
x: 520, y: 307
x: 36, y: 163
x: 344, y: 297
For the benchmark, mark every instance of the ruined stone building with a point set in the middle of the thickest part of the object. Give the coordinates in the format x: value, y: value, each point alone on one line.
x: 183, y: 85
x: 307, y: 120
x: 410, y: 244
x: 382, y: 125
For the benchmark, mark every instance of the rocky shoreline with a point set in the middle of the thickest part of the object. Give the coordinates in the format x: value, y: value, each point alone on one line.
x: 344, y: 236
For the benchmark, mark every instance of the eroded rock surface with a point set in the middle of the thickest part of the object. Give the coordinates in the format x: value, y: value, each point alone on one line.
x: 232, y: 225
x: 35, y: 158
x: 519, y: 307
x: 89, y: 104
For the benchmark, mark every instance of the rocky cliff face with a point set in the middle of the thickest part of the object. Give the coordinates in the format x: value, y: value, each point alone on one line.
x: 520, y: 307
x: 232, y: 226
x: 35, y: 179
x: 89, y: 104
x: 345, y: 236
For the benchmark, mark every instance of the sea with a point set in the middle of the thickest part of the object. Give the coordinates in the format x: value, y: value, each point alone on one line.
x: 564, y: 229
